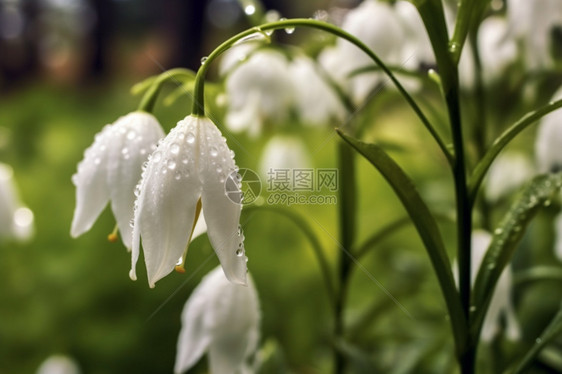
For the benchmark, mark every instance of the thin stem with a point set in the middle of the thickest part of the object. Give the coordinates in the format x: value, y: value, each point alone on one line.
x: 199, y: 97
x: 149, y: 98
x: 464, y: 221
x: 347, y: 205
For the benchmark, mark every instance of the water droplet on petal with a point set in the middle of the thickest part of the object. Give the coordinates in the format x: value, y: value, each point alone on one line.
x: 239, y: 252
x: 175, y: 149
x: 156, y: 157
x: 190, y: 138
x: 178, y: 177
x: 131, y: 135
x: 171, y: 164
x: 214, y: 152
x: 97, y: 161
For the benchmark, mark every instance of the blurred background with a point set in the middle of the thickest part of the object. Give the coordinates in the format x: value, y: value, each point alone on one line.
x: 66, y: 69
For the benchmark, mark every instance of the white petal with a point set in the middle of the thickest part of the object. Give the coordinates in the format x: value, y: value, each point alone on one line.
x: 92, y: 193
x: 196, y: 326
x: 137, y: 135
x: 165, y: 210
x: 222, y: 214
x: 236, y: 318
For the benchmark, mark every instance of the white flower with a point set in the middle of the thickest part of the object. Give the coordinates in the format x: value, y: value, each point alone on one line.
x: 509, y: 171
x: 549, y: 140
x: 222, y: 319
x: 316, y: 102
x: 377, y: 25
x: 58, y: 364
x: 259, y: 91
x: 111, y: 169
x: 16, y: 221
x: 497, y: 48
x: 416, y: 47
x: 190, y: 169
x: 501, y: 299
x: 533, y: 22
x: 284, y: 152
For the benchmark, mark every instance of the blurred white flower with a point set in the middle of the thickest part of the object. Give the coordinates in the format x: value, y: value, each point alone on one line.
x: 509, y: 171
x: 259, y: 91
x: 110, y: 170
x: 376, y: 24
x: 497, y: 47
x: 284, y: 152
x: 191, y: 168
x: 416, y: 46
x: 58, y: 364
x: 533, y: 22
x: 16, y: 221
x: 500, y: 305
x: 316, y: 102
x: 549, y: 140
x: 222, y: 319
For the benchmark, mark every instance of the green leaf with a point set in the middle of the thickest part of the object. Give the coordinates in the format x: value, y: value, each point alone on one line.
x: 538, y: 274
x: 468, y: 18
x: 537, y: 193
x: 433, y: 17
x: 425, y: 224
x: 550, y: 332
x: 503, y: 140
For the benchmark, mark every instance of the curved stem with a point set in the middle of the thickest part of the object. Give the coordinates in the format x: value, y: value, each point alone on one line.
x: 199, y: 99
x: 149, y: 98
x: 314, y: 242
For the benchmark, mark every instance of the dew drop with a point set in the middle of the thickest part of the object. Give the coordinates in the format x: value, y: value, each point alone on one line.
x: 131, y: 135
x: 171, y: 164
x: 132, y: 223
x: 190, y: 138
x: 142, y: 151
x: 214, y: 152
x: 219, y: 169
x: 289, y: 30
x: 178, y: 177
x: 232, y: 154
x: 175, y: 149
x: 250, y: 9
x: 75, y: 179
x: 239, y: 252
x: 185, y: 161
x: 156, y: 157
x: 97, y: 161
x: 203, y: 59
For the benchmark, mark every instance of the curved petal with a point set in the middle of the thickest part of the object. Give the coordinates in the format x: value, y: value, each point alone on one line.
x: 165, y: 208
x: 196, y: 333
x: 137, y: 136
x: 221, y: 207
x: 92, y: 193
x: 236, y: 318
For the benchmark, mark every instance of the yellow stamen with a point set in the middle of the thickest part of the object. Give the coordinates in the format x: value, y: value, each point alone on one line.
x: 181, y: 267
x: 113, y: 237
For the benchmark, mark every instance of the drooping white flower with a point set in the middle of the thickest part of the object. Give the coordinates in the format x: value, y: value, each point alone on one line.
x: 58, y: 364
x: 259, y: 91
x: 533, y: 22
x: 376, y: 24
x: 501, y: 298
x: 284, y: 152
x: 191, y: 168
x: 416, y: 47
x: 111, y: 169
x: 509, y: 171
x: 316, y: 102
x: 222, y: 319
x: 16, y: 221
x: 549, y: 140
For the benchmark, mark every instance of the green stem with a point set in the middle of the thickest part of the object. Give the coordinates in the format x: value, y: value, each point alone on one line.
x: 347, y: 205
x: 199, y: 95
x: 149, y: 98
x: 464, y: 221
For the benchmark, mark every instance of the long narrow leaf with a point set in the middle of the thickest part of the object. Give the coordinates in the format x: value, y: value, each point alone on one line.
x: 424, y: 222
x: 550, y: 332
x: 537, y: 193
x: 503, y: 140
